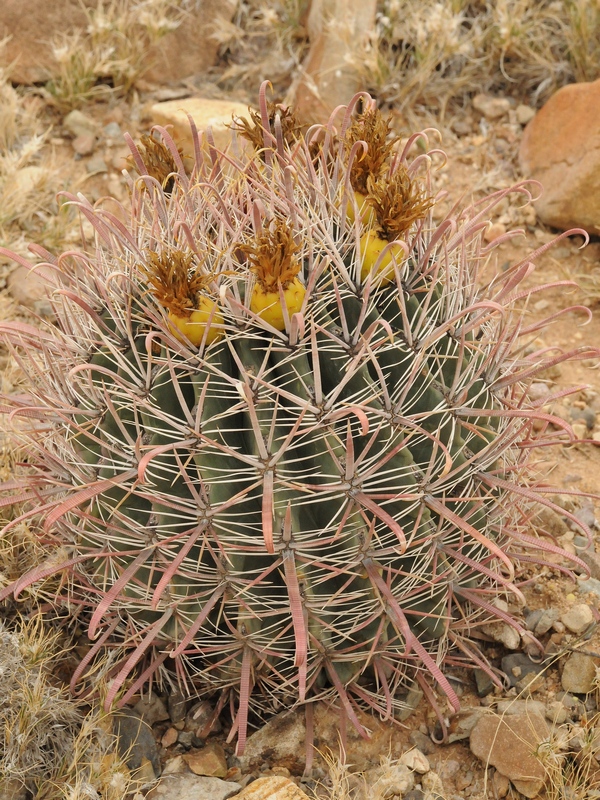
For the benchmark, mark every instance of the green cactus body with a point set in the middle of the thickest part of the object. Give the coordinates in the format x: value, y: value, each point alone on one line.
x: 284, y: 514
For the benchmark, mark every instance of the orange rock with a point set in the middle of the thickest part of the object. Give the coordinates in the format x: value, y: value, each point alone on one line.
x: 509, y: 743
x: 561, y: 149
x: 210, y: 761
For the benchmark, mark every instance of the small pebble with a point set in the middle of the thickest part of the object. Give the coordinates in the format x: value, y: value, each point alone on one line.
x: 577, y: 618
x: 491, y: 107
x: 415, y: 760
x: 112, y: 130
x: 422, y: 742
x: 96, y: 165
x: 282, y: 771
x: 169, y: 737
x: 524, y: 114
x: 77, y: 123
x: 84, y: 144
x: 556, y: 712
x: 494, y: 231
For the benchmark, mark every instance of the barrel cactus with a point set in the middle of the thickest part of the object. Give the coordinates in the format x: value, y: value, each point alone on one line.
x: 278, y: 437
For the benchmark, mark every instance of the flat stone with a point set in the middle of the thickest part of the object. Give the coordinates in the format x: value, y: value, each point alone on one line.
x: 545, y: 621
x: 578, y: 618
x: 509, y: 744
x: 462, y: 724
x: 485, y: 685
x: 589, y: 557
x: 494, y: 231
x: 29, y: 27
x: 517, y: 666
x: 112, y: 130
x: 272, y: 787
x: 211, y: 761
x: 174, y: 766
x: 579, y: 673
x: 500, y: 784
x: 504, y: 633
x: 561, y: 149
x: 556, y: 712
x: 214, y: 114
x: 135, y: 740
x: 520, y: 707
x: 190, y: 48
x: 152, y: 709
x: 193, y: 787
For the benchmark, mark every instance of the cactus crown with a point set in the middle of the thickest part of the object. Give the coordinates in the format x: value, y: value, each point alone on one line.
x: 287, y: 438
x: 174, y: 279
x: 271, y: 256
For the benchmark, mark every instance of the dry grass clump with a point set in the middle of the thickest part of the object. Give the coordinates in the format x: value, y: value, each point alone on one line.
x: 49, y: 744
x: 436, y: 51
x: 29, y: 177
x: 112, y: 53
x: 342, y: 782
x: 265, y: 40
x: 24, y: 181
x: 431, y: 53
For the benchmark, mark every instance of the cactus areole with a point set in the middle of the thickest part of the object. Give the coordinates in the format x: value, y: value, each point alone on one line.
x: 278, y: 437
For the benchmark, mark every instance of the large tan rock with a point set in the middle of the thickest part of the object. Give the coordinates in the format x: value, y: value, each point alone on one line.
x: 214, y: 114
x: 509, y: 743
x: 331, y: 74
x: 271, y: 788
x: 561, y: 149
x: 191, y: 48
x: 32, y: 25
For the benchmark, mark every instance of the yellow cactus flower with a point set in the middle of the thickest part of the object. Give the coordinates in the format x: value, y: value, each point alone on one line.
x: 365, y: 210
x: 179, y: 286
x: 193, y: 327
x: 271, y: 259
x: 371, y: 247
x: 268, y: 304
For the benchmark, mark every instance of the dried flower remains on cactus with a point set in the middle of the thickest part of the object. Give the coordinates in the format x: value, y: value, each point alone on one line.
x: 279, y: 467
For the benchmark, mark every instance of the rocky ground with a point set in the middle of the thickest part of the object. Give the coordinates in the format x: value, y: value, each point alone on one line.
x: 539, y: 734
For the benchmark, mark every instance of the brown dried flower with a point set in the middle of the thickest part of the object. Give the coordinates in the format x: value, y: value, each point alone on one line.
x: 372, y: 128
x: 174, y: 280
x: 271, y: 256
x: 398, y: 201
x: 253, y: 130
x: 159, y: 161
